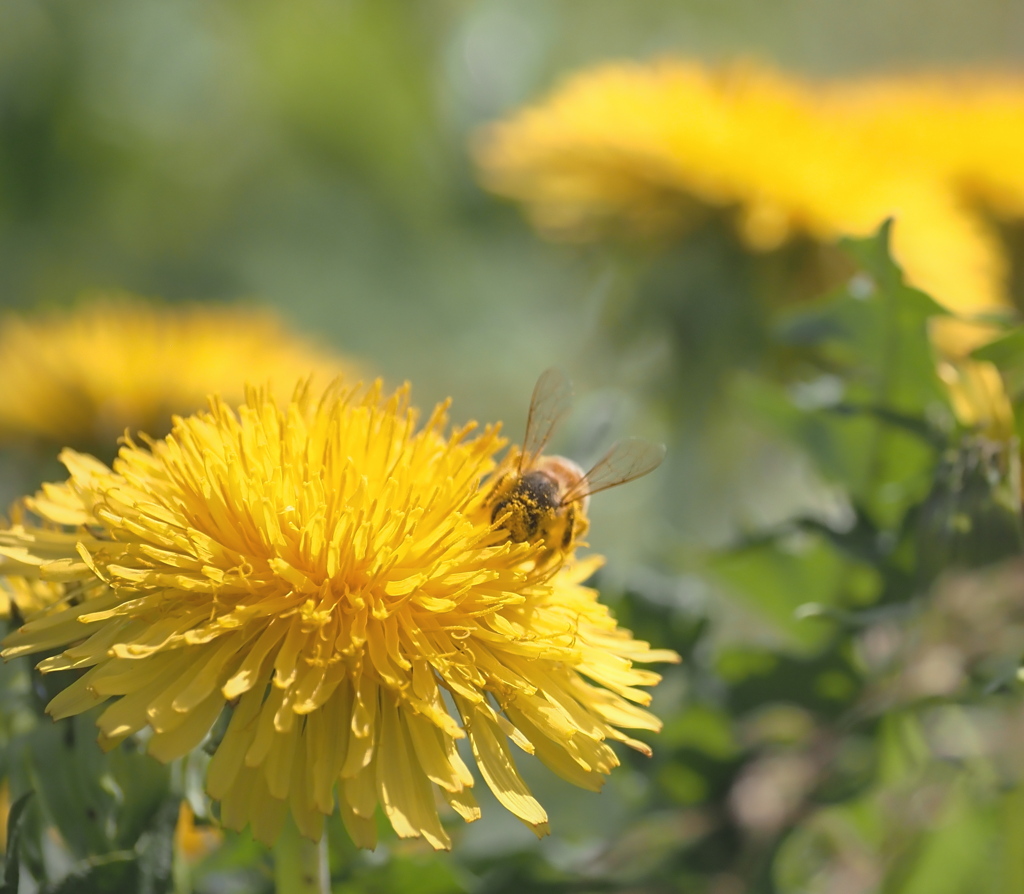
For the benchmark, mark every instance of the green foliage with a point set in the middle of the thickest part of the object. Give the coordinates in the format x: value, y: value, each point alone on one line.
x: 1007, y: 353
x: 881, y: 431
x: 98, y: 822
x: 12, y: 856
x: 972, y: 517
x: 912, y: 497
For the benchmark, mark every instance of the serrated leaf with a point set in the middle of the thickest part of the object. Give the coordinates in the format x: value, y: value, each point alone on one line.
x: 874, y: 255
x: 891, y: 410
x: 874, y: 331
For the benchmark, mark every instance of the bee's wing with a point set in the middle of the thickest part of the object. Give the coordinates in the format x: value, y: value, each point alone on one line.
x: 552, y: 398
x: 625, y: 461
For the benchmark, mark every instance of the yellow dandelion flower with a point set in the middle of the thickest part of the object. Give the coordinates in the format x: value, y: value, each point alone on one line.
x: 82, y: 377
x: 655, y: 148
x: 330, y: 571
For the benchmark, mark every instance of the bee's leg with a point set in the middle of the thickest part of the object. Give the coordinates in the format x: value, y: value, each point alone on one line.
x: 497, y: 506
x: 498, y: 509
x: 570, y: 524
x: 496, y: 497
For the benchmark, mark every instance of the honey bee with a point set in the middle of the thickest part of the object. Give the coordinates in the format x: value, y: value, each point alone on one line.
x: 544, y: 499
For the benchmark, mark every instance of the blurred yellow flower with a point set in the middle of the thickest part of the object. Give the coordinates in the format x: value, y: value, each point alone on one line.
x: 652, y: 149
x: 81, y: 377
x: 27, y: 597
x: 979, y: 397
x: 332, y: 573
x: 194, y: 842
x: 23, y: 597
x: 965, y: 129
x: 649, y: 145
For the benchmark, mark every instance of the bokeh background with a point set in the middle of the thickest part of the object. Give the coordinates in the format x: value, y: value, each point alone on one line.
x: 314, y: 157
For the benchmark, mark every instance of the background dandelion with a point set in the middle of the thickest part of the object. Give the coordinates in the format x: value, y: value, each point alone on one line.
x: 653, y: 150
x: 122, y: 362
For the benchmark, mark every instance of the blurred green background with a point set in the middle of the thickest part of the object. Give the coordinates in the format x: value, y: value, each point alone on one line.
x: 313, y: 155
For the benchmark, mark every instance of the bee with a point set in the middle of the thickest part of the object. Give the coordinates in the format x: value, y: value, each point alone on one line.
x: 544, y: 499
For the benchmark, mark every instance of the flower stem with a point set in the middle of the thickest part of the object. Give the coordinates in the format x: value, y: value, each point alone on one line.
x: 300, y: 865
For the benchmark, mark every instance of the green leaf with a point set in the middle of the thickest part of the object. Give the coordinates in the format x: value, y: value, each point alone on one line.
x: 775, y: 577
x: 1005, y: 352
x: 888, y: 410
x: 100, y: 802
x: 704, y: 729
x: 1007, y: 355
x: 873, y: 332
x: 143, y: 784
x: 117, y: 871
x: 12, y: 865
x: 1012, y: 838
x: 156, y: 850
x: 66, y: 767
x: 959, y: 852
